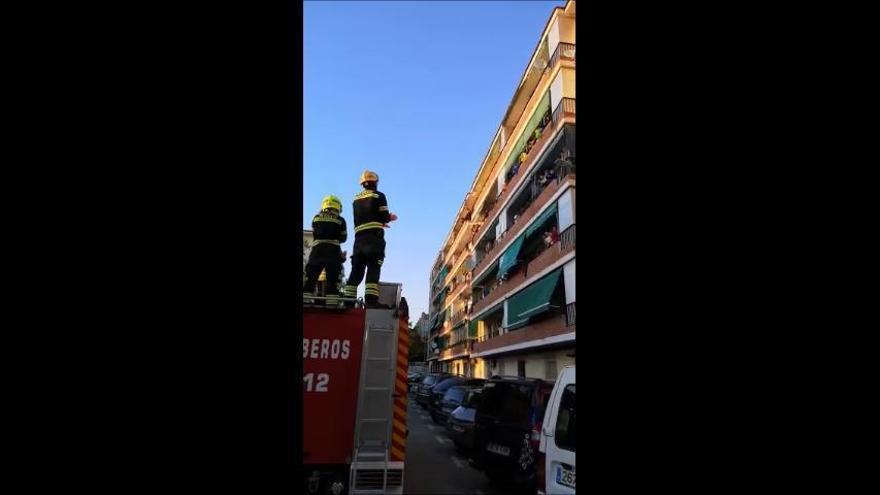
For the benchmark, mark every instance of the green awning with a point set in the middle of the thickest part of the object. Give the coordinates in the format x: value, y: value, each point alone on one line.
x: 442, y: 275
x: 441, y: 318
x: 440, y: 295
x: 529, y: 130
x: 508, y: 259
x: 472, y: 328
x: 534, y: 300
x: 541, y: 220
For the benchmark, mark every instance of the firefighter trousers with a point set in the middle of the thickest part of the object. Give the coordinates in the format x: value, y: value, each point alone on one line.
x: 369, y: 254
x: 313, y: 271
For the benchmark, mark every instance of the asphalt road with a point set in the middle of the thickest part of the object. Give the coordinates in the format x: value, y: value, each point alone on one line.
x: 433, y: 466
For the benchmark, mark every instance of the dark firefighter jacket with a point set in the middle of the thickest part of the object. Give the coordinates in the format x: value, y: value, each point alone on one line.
x: 370, y: 211
x: 330, y: 232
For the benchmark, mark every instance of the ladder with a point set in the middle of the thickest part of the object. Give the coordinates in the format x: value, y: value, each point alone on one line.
x: 373, y: 426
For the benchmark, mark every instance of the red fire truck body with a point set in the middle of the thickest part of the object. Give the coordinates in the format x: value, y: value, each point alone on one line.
x: 354, y: 400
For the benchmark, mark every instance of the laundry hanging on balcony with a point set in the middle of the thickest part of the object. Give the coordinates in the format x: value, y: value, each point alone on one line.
x: 508, y: 259
x: 533, y: 300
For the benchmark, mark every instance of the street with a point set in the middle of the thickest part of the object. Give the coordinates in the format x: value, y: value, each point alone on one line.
x: 432, y: 464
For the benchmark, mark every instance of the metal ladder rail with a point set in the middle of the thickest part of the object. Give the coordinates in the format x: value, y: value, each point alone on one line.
x: 385, y: 377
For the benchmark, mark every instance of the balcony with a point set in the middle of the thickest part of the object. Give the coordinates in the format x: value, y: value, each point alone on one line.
x: 563, y: 51
x: 550, y: 327
x: 546, y: 258
x: 570, y: 314
x: 565, y: 109
x: 459, y: 349
x: 524, y: 167
x: 563, y: 175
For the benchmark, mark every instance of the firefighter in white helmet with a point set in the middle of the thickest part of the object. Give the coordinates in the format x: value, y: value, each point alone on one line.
x: 371, y: 216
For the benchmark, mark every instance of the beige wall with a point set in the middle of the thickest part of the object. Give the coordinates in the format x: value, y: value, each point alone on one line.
x: 568, y: 85
x: 566, y: 32
x: 535, y: 364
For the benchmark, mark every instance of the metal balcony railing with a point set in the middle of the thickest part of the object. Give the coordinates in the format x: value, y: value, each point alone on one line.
x: 565, y: 108
x: 563, y: 51
x: 568, y: 237
x: 570, y: 314
x: 563, y: 171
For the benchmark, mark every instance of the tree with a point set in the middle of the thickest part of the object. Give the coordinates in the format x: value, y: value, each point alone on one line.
x: 416, y: 346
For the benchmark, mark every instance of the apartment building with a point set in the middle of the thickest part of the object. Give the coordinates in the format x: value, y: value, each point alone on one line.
x: 503, y: 284
x: 308, y: 242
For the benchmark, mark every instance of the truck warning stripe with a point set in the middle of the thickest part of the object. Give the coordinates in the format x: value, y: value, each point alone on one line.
x: 397, y: 454
x: 400, y: 427
x: 398, y: 437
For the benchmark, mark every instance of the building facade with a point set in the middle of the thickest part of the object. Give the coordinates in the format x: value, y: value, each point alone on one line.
x: 308, y: 242
x: 503, y: 284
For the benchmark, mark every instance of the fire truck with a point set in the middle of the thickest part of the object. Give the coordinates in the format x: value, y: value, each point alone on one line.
x: 354, y: 396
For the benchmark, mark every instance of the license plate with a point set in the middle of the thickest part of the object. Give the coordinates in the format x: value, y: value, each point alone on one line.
x: 458, y: 429
x: 498, y: 449
x: 565, y: 477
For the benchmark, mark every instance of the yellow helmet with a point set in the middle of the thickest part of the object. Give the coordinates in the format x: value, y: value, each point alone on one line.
x: 331, y: 201
x: 369, y: 176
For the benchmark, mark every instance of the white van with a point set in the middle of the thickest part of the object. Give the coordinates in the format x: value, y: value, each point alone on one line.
x: 559, y: 438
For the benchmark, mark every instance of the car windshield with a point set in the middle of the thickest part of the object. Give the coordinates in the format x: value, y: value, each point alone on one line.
x: 445, y: 384
x: 454, y: 394
x: 508, y: 402
x: 429, y: 380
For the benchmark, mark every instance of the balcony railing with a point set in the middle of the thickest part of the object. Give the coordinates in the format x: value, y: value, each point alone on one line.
x: 551, y: 326
x: 544, y: 259
x: 521, y: 172
x: 570, y: 314
x: 464, y: 346
x: 565, y: 108
x: 564, y: 51
x: 567, y: 238
x: 563, y: 173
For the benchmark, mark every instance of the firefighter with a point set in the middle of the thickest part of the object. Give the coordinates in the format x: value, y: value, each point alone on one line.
x: 371, y: 215
x: 326, y: 255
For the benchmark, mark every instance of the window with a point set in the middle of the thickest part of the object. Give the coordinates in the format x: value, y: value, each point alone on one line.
x: 550, y: 372
x: 521, y: 369
x: 566, y: 437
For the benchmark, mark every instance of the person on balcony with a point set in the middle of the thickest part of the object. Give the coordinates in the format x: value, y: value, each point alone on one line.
x: 326, y: 255
x: 371, y: 216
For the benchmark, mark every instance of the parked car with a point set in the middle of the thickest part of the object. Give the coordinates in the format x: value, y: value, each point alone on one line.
x: 507, y: 429
x: 460, y: 426
x: 423, y: 390
x: 452, y: 398
x: 556, y: 458
x: 413, y: 378
x: 439, y: 391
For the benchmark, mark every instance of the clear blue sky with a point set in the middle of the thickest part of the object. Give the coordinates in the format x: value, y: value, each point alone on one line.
x: 415, y: 92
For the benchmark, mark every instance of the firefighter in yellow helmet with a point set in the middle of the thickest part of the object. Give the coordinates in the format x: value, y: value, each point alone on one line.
x: 371, y: 216
x: 329, y: 232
